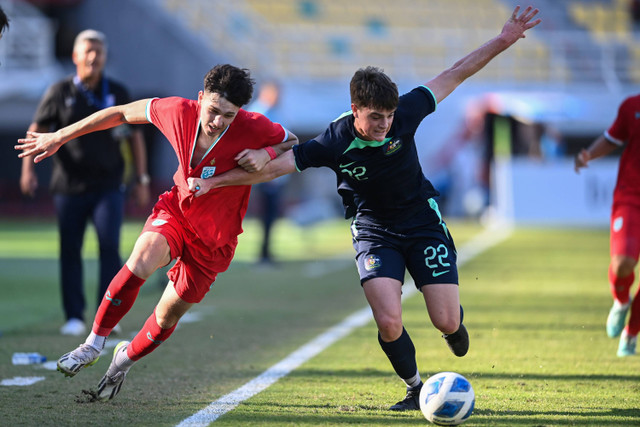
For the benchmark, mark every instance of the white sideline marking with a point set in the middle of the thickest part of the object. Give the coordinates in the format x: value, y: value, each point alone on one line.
x: 228, y: 402
x: 21, y: 381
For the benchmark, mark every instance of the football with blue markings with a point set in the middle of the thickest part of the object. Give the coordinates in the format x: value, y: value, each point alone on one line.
x: 447, y: 399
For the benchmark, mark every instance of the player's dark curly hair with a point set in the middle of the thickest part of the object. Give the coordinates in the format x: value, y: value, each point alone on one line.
x: 371, y: 88
x: 232, y: 83
x: 4, y: 21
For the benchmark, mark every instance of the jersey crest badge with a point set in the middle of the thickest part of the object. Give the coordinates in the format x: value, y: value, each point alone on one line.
x: 372, y: 262
x: 207, y: 172
x: 393, y: 147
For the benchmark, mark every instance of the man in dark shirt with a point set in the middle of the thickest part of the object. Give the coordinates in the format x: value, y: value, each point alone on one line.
x: 87, y: 178
x: 396, y: 222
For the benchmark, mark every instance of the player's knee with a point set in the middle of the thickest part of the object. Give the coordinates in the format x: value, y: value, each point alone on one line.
x: 390, y: 328
x: 622, y: 266
x: 139, y: 267
x: 166, y: 320
x: 447, y: 324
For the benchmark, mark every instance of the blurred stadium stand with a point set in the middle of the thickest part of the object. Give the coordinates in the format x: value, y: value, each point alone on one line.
x: 571, y: 71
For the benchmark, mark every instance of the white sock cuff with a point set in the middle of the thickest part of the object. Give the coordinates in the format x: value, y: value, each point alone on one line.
x: 122, y: 360
x: 413, y: 381
x: 96, y: 341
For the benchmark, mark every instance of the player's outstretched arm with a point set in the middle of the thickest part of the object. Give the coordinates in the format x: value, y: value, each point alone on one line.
x: 513, y: 30
x: 44, y: 145
x: 254, y: 160
x: 279, y: 166
x: 600, y: 147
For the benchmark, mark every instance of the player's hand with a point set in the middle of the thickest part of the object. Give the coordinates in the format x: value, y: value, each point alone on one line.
x: 42, y: 145
x: 252, y: 160
x: 516, y: 26
x: 199, y: 186
x: 28, y: 183
x: 581, y: 160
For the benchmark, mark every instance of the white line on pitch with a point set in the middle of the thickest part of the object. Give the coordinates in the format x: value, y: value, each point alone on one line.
x: 228, y: 402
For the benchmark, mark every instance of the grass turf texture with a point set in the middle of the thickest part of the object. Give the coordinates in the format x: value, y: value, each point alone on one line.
x: 535, y: 309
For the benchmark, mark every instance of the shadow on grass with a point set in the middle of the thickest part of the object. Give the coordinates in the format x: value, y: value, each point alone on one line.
x: 608, y: 417
x: 371, y: 373
x: 348, y: 414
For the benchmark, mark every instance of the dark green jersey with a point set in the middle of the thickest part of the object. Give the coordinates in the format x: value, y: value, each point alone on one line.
x: 382, y: 180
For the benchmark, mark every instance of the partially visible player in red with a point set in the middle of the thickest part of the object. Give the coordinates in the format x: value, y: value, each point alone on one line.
x: 210, y: 136
x: 625, y: 220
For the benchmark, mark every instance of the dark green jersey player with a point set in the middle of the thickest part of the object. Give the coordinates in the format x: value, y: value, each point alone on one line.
x: 380, y: 179
x: 396, y: 222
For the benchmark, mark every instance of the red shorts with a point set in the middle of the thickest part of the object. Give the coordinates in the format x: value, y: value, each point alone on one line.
x: 625, y: 230
x: 197, y: 266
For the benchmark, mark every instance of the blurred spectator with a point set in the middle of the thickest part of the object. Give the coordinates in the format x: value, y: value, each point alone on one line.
x: 462, y: 180
x: 87, y: 172
x: 551, y: 144
x: 269, y: 192
x: 634, y: 12
x: 4, y: 22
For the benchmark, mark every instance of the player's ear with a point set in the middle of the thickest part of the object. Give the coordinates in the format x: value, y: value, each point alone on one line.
x: 354, y: 109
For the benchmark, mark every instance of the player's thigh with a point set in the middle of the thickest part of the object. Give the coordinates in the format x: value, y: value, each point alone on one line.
x: 625, y: 231
x: 384, y: 296
x: 150, y: 252
x: 443, y: 305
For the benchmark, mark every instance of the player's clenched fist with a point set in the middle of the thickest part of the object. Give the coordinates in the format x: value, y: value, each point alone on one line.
x: 198, y: 186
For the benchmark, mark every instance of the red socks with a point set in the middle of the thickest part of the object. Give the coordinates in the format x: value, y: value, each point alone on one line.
x: 634, y: 319
x: 620, y: 286
x: 118, y: 300
x: 149, y: 338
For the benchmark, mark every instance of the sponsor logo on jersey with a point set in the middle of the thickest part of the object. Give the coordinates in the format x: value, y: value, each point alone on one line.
x: 393, y: 147
x: 207, y: 172
x: 158, y: 222
x: 372, y: 262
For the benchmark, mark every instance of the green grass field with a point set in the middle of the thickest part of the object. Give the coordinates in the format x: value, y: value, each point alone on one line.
x: 535, y: 307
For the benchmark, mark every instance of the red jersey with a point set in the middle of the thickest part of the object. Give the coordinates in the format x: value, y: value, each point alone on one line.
x: 625, y: 131
x: 215, y: 218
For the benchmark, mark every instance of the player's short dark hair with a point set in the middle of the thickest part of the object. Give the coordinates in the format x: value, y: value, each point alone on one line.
x: 232, y: 83
x: 371, y: 88
x: 4, y: 21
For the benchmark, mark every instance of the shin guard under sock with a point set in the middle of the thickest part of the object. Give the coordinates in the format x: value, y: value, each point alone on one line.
x: 117, y: 301
x: 149, y: 338
x: 402, y: 355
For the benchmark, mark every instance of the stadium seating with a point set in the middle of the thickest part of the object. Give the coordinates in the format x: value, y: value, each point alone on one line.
x: 329, y: 39
x: 609, y: 24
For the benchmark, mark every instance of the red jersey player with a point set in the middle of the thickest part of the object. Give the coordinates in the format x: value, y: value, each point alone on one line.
x: 210, y: 136
x: 625, y: 220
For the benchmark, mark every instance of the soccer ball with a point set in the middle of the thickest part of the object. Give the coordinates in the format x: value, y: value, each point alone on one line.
x: 447, y: 399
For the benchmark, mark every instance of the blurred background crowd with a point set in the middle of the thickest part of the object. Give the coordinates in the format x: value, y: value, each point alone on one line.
x: 509, y: 133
